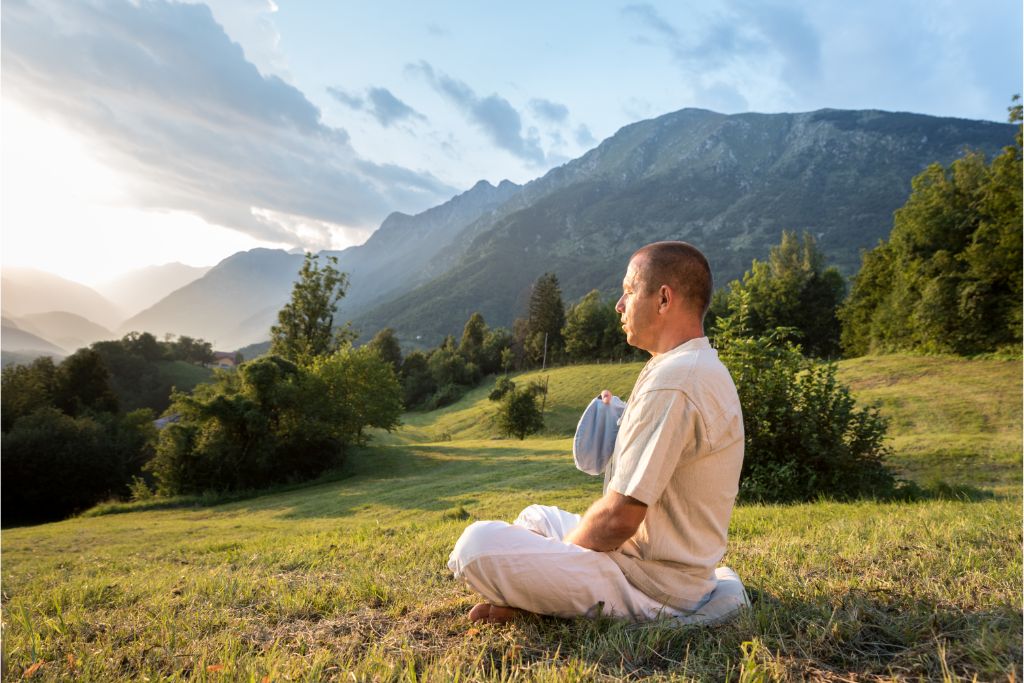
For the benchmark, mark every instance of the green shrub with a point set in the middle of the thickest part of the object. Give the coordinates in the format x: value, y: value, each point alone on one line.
x: 805, y: 437
x: 273, y: 421
x: 261, y: 425
x: 519, y: 414
x: 445, y: 396
x: 501, y: 387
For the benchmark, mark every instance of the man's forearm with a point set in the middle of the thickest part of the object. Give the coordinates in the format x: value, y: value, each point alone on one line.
x: 609, y: 522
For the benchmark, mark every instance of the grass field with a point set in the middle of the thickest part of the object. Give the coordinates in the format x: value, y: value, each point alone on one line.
x: 346, y: 579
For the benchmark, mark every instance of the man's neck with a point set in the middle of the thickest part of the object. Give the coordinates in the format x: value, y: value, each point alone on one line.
x: 667, y: 342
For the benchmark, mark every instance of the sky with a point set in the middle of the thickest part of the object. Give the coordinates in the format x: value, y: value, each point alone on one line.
x: 142, y: 132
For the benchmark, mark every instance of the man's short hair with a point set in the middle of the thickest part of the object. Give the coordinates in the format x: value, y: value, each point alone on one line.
x: 682, y: 267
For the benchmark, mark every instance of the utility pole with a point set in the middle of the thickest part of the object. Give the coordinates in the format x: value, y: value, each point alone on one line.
x: 544, y: 362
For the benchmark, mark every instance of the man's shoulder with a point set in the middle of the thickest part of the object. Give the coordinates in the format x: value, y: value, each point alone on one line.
x: 682, y: 370
x: 699, y: 375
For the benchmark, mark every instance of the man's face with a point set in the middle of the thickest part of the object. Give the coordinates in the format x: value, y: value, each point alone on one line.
x: 637, y: 309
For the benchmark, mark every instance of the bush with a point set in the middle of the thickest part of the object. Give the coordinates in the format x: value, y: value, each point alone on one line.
x: 264, y: 424
x: 501, y: 387
x: 445, y: 396
x: 519, y: 414
x: 273, y: 421
x: 357, y: 388
x: 805, y: 437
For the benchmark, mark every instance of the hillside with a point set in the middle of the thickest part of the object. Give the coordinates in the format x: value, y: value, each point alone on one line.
x: 729, y: 184
x: 17, y: 340
x: 27, y: 291
x: 139, y: 289
x: 220, y: 306
x: 67, y: 330
x: 346, y: 578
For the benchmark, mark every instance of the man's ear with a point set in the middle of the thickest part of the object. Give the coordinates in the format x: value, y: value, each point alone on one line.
x: 665, y: 295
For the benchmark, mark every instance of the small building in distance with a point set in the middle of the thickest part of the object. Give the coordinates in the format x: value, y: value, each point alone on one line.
x: 224, y: 360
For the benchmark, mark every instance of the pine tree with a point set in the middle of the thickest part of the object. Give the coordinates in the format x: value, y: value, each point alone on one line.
x: 546, y: 319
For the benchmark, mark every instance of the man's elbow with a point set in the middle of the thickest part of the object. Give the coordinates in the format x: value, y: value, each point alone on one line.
x: 626, y: 517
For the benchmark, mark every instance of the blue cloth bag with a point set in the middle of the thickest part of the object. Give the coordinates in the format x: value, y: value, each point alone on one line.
x: 595, y: 435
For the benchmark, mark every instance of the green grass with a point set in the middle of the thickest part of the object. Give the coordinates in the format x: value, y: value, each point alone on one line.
x: 951, y: 419
x: 346, y: 579
x: 184, y: 376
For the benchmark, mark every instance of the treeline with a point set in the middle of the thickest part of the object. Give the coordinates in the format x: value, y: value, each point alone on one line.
x: 144, y: 370
x: 79, y: 432
x: 548, y: 335
x: 949, y: 277
x: 66, y: 443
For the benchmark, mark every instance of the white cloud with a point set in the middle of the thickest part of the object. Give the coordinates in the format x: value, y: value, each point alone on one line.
x: 169, y: 100
x: 493, y: 114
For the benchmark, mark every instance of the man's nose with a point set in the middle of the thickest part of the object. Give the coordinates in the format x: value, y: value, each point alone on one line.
x: 619, y: 306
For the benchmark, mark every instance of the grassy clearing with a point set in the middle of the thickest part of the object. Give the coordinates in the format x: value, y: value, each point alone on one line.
x: 951, y: 419
x: 346, y: 580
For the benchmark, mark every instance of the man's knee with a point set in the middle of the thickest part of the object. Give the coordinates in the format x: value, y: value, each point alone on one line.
x: 479, y: 539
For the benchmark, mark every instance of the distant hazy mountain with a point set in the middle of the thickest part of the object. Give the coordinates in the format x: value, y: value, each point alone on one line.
x: 27, y: 291
x: 66, y: 330
x: 139, y: 289
x: 236, y: 302
x: 729, y: 184
x: 15, y: 339
x: 215, y: 306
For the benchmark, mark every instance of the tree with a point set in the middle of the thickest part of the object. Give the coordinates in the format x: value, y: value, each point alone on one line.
x: 305, y: 326
x: 265, y: 424
x: 191, y: 350
x: 83, y: 384
x: 546, y: 319
x: 26, y: 389
x: 387, y: 347
x: 472, y: 343
x: 592, y: 329
x: 360, y: 389
x: 497, y: 343
x: 65, y: 447
x: 519, y: 415
x: 949, y: 277
x: 143, y: 345
x: 417, y: 382
x: 794, y: 290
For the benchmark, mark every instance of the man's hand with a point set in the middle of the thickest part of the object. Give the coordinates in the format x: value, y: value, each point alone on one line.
x: 611, y: 520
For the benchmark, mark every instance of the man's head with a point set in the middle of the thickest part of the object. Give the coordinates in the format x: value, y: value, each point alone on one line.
x: 666, y: 292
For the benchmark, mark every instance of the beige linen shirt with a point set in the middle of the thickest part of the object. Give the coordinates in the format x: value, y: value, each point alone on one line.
x: 680, y: 451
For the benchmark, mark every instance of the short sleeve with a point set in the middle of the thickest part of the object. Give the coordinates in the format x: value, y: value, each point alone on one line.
x: 658, y: 433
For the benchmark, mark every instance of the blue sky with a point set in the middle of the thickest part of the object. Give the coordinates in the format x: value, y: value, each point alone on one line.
x: 152, y: 131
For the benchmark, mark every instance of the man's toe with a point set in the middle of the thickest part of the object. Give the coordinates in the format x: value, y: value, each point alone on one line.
x: 480, y: 611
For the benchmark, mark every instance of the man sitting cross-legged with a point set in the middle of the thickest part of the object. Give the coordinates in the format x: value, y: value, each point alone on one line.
x: 649, y: 546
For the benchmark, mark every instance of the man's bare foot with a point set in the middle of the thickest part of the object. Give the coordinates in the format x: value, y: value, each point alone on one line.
x: 494, y: 614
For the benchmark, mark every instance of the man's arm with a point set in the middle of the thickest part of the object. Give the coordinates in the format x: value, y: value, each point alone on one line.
x: 611, y: 520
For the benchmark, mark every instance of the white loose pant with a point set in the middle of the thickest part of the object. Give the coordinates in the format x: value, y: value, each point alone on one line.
x: 527, y: 565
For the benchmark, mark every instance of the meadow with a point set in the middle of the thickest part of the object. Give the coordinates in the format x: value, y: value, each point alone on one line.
x: 345, y: 578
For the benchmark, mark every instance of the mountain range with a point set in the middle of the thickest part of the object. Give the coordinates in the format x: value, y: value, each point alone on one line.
x: 728, y: 183
x: 139, y: 289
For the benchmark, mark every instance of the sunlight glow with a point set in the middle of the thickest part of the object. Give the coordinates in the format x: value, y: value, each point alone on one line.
x: 67, y: 213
